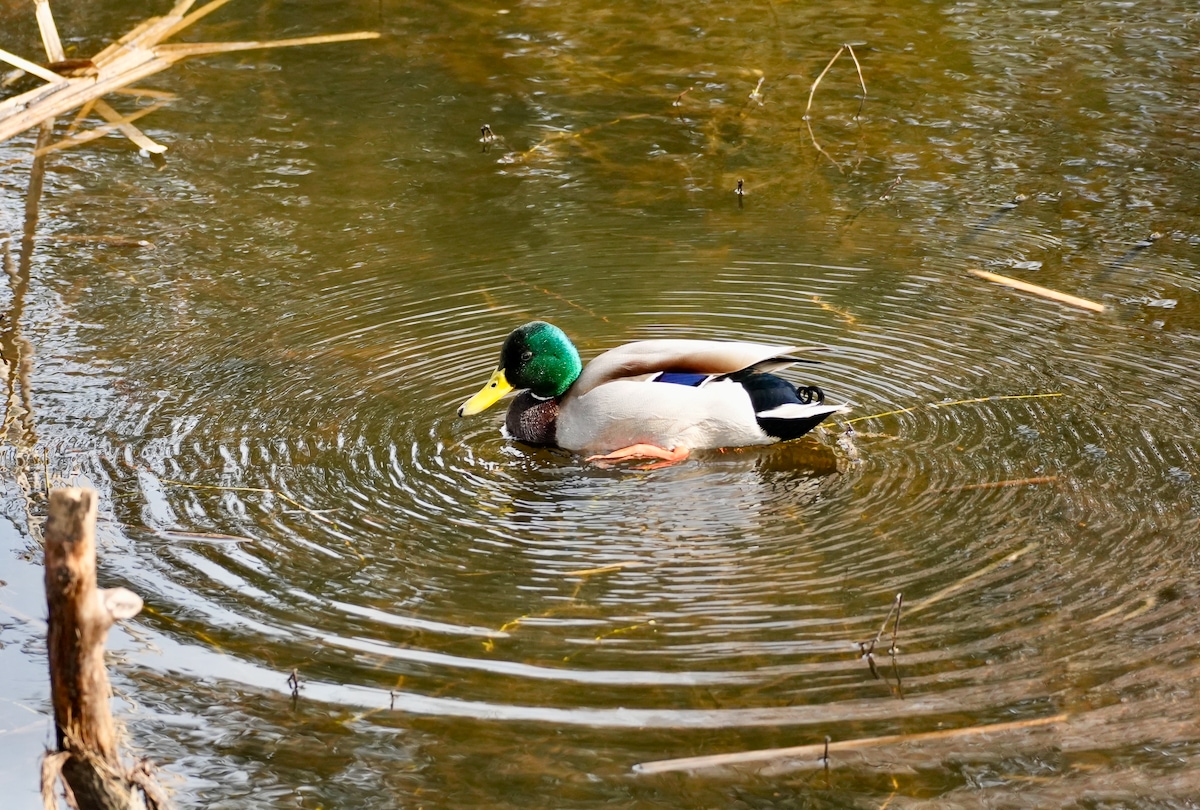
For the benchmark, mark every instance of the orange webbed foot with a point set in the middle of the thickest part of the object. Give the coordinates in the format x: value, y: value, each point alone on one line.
x: 665, y: 456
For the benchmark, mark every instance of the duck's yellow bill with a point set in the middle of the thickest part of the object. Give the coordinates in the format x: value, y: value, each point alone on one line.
x: 496, y: 387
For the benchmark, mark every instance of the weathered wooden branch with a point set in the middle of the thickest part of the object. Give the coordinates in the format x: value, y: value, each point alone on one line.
x: 80, y: 616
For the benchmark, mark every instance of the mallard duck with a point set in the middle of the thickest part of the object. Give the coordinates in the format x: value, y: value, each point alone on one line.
x: 657, y: 399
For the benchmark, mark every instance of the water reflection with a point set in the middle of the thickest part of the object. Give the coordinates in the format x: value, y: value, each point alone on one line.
x: 267, y: 401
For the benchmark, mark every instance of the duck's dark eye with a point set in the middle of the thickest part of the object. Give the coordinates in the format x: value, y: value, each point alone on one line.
x: 526, y: 355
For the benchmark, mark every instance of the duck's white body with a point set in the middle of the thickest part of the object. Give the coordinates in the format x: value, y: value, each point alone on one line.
x: 616, y: 401
x: 626, y: 412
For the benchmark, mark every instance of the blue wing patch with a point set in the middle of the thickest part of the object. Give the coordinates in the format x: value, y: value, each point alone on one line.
x: 681, y: 378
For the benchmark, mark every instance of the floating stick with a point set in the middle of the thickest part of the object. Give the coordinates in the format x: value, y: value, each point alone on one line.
x: 175, y: 51
x: 819, y: 752
x: 1011, y: 482
x: 1044, y: 292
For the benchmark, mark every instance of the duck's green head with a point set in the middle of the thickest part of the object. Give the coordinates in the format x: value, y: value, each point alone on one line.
x: 538, y: 356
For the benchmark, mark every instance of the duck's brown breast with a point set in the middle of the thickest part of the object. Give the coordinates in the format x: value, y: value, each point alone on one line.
x: 532, y: 420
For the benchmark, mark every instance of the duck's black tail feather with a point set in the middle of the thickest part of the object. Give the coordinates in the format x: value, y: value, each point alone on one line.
x: 782, y: 410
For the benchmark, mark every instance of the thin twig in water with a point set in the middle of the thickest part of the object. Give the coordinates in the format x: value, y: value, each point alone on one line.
x: 962, y: 583
x: 603, y: 569
x: 949, y: 404
x: 869, y: 650
x: 820, y: 148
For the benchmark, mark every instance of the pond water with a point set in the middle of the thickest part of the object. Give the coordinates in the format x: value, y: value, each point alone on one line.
x: 264, y: 394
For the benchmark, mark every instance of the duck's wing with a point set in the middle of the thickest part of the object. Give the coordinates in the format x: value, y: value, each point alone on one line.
x: 646, y: 358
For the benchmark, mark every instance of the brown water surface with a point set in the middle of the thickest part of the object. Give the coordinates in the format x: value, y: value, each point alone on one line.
x: 265, y: 397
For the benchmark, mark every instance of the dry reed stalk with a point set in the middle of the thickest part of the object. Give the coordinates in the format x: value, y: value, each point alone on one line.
x: 1044, y: 292
x: 812, y: 91
x: 819, y: 752
x: 30, y: 67
x: 118, y: 122
x: 125, y: 126
x: 49, y: 31
x: 136, y: 55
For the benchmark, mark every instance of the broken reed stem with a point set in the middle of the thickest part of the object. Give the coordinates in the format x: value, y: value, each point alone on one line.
x: 123, y: 123
x: 195, y: 16
x: 1034, y: 289
x: 820, y: 148
x: 820, y: 751
x: 861, y: 80
x: 812, y: 91
x: 31, y: 67
x: 49, y: 31
x: 117, y: 122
